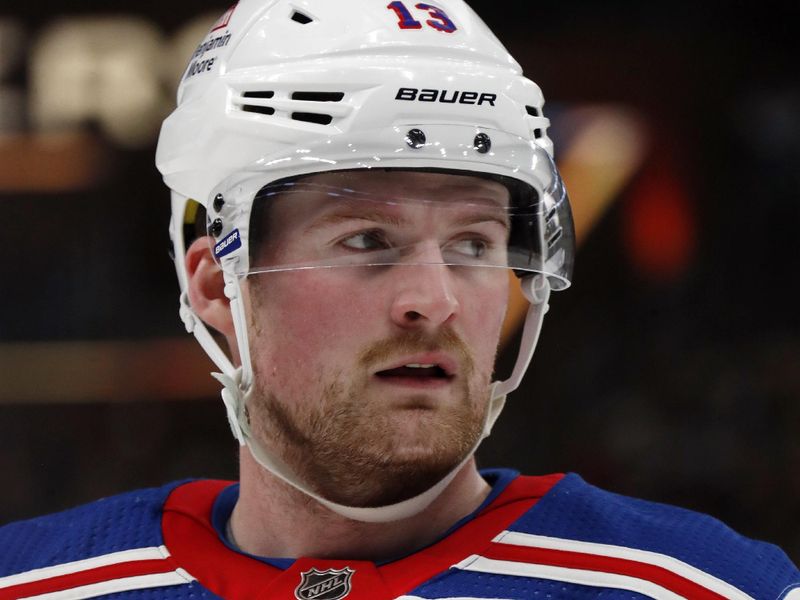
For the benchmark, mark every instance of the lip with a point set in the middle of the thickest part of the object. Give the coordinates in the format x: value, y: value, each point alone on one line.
x: 427, y: 383
x: 443, y: 360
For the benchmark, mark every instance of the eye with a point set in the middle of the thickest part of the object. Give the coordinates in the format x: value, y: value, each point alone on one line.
x: 471, y: 247
x: 366, y: 241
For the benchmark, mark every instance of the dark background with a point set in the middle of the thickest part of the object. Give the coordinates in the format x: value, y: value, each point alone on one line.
x: 672, y: 376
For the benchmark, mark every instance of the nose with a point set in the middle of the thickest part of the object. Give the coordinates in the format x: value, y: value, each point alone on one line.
x: 425, y: 296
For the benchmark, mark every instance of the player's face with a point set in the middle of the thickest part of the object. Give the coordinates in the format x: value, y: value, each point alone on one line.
x: 372, y: 382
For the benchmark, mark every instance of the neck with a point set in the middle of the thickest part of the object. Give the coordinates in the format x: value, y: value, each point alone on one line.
x: 273, y: 519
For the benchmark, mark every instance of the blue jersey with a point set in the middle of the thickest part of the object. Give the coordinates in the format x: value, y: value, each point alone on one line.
x: 553, y: 537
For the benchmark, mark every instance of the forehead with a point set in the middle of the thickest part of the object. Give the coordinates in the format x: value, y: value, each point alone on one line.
x: 384, y: 191
x: 413, y: 185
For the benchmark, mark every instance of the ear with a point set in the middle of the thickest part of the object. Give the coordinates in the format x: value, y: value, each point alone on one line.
x: 206, y: 287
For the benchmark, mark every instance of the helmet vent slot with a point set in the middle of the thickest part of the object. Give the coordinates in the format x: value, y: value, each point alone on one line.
x: 312, y: 118
x: 255, y: 108
x: 535, y: 112
x: 318, y: 96
x: 555, y: 237
x: 307, y: 106
x: 262, y: 110
x: 301, y: 18
x: 258, y: 94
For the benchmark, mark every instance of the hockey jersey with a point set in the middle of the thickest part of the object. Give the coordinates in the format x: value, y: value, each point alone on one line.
x: 551, y: 537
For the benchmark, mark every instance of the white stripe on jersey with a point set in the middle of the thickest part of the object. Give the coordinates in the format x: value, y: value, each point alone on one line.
x: 112, y: 586
x: 577, y: 576
x: 793, y: 595
x: 152, y: 553
x: 664, y: 561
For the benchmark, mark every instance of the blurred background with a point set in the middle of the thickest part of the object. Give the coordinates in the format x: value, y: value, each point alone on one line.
x: 670, y: 370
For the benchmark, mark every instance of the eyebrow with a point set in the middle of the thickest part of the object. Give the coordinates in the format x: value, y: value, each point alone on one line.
x: 354, y: 211
x: 341, y: 216
x: 483, y: 218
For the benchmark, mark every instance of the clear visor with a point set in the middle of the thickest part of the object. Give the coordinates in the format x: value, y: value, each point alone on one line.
x: 438, y: 194
x: 381, y: 218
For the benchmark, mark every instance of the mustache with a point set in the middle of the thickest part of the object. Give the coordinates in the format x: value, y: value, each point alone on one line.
x: 411, y: 342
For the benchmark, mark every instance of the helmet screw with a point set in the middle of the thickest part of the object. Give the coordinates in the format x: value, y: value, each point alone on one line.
x: 482, y: 143
x: 219, y: 202
x: 216, y: 227
x: 415, y: 138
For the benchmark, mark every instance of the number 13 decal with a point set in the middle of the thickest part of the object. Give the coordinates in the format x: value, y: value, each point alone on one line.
x: 438, y: 20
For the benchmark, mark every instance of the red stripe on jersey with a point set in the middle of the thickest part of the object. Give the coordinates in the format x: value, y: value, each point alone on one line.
x: 473, y: 538
x: 88, y: 577
x: 605, y: 564
x: 194, y: 544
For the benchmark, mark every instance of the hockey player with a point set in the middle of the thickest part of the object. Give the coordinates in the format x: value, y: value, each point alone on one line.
x: 352, y: 183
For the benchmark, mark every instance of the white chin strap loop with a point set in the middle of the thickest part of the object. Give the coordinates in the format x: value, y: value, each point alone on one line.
x: 237, y: 391
x: 234, y: 380
x: 233, y: 291
x: 536, y: 290
x: 236, y: 399
x: 195, y: 326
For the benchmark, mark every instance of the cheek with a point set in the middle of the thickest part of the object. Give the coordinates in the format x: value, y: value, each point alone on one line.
x: 314, y: 321
x: 306, y: 321
x: 484, y: 315
x: 493, y: 304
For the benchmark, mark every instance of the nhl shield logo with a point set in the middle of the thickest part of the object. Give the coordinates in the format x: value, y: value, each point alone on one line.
x: 330, y: 584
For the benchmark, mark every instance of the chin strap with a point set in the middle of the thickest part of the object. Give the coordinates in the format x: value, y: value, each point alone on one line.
x: 237, y: 392
x: 195, y: 326
x: 235, y: 401
x: 536, y: 290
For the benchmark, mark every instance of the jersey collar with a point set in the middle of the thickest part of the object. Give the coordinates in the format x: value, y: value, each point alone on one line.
x: 194, y: 523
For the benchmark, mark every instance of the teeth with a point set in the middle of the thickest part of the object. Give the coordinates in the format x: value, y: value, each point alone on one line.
x: 420, y: 366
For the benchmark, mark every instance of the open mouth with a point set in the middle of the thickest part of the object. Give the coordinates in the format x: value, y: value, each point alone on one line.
x: 415, y: 373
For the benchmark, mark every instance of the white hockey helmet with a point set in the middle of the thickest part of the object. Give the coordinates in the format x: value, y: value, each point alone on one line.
x: 282, y: 89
